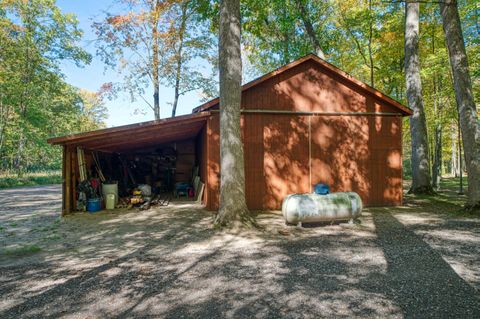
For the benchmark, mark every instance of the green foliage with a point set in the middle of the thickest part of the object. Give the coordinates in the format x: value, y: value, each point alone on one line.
x: 127, y: 42
x: 35, y: 101
x: 362, y: 37
x: 9, y: 180
x: 366, y: 39
x: 273, y: 32
x: 21, y: 251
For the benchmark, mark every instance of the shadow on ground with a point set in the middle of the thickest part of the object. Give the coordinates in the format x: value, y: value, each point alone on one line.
x: 169, y: 262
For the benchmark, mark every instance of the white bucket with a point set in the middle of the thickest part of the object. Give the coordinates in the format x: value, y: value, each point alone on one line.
x: 110, y: 188
x: 110, y: 201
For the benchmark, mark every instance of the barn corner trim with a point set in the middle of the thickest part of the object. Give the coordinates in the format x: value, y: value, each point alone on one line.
x: 404, y: 110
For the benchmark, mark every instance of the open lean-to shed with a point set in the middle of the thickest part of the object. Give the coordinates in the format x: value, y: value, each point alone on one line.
x: 305, y: 123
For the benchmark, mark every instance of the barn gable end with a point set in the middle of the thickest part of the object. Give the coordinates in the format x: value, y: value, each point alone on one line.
x: 309, y: 123
x: 312, y: 85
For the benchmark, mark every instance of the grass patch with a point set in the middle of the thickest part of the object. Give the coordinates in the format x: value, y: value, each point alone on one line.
x: 53, y: 237
x: 10, y: 180
x: 453, y: 183
x: 446, y: 200
x: 51, y: 227
x: 21, y: 251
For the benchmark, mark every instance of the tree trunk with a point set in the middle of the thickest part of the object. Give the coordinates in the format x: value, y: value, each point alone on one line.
x: 178, y: 71
x: 437, y: 160
x: 175, y: 97
x: 460, y: 160
x: 437, y: 152
x: 421, y: 183
x: 370, y: 52
x: 155, y: 62
x: 233, y: 207
x: 464, y: 95
x: 309, y: 29
x: 286, y: 39
x: 19, y: 158
x: 454, y: 167
x: 4, y: 117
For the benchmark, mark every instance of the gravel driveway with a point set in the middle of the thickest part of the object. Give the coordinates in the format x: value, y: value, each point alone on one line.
x: 410, y: 261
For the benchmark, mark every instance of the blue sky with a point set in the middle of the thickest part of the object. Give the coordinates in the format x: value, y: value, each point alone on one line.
x: 122, y: 110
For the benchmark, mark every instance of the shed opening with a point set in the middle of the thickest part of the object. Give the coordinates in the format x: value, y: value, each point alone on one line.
x: 143, y: 165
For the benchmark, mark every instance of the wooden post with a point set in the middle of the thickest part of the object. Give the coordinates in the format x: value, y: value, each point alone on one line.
x: 64, y: 177
x: 74, y: 164
x: 68, y: 181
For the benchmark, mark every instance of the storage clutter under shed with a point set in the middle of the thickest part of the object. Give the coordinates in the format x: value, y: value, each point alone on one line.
x: 137, y: 178
x: 139, y: 165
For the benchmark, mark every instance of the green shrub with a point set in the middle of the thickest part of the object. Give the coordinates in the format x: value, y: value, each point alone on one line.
x: 21, y: 251
x: 9, y: 180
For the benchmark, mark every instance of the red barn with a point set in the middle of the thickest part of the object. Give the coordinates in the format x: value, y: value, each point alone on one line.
x: 304, y: 123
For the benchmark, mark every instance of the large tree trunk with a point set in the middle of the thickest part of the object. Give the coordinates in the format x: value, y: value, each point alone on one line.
x: 233, y: 207
x: 309, y: 28
x: 155, y: 62
x: 418, y: 129
x: 437, y: 152
x: 465, y: 103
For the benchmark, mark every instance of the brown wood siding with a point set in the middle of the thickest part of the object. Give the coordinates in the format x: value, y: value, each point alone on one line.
x: 311, y: 88
x: 358, y: 153
x: 252, y: 129
x: 287, y: 154
x: 213, y: 164
x: 286, y: 157
x: 201, y: 150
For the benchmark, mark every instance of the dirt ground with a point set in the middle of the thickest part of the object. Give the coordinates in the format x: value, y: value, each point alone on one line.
x: 419, y: 260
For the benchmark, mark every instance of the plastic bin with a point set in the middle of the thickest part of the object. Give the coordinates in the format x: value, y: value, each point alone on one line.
x: 94, y: 205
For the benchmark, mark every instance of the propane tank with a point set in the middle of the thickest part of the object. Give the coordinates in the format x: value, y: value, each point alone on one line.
x: 312, y: 208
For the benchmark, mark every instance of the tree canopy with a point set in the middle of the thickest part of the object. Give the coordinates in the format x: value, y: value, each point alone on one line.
x: 35, y: 100
x: 174, y: 43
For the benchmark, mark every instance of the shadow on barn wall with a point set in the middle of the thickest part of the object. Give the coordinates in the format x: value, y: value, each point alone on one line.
x: 288, y: 153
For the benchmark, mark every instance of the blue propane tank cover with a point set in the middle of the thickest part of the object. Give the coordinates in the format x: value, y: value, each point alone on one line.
x: 321, y: 189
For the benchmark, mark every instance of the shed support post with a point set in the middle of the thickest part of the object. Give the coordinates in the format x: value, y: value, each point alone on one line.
x: 64, y: 176
x: 67, y: 181
x: 74, y: 167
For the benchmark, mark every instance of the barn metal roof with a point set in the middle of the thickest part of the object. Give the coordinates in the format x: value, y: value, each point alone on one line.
x: 139, y: 135
x: 330, y: 67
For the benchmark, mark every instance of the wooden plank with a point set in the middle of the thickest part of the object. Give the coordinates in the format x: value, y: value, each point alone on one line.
x: 68, y: 181
x: 213, y: 163
x: 199, y: 194
x: 285, y: 158
x: 254, y: 156
x: 64, y: 176
x: 74, y: 166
